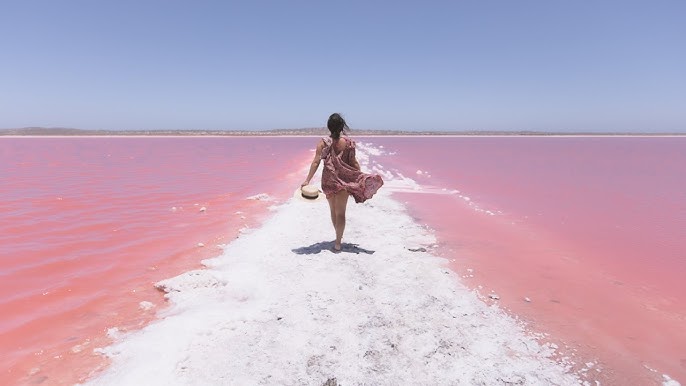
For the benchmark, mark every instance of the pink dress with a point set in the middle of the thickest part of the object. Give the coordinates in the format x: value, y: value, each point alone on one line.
x: 339, y: 174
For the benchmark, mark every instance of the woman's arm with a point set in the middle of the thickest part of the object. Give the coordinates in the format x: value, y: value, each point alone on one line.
x: 315, y: 163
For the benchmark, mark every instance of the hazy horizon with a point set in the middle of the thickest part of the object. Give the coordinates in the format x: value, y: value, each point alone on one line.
x: 615, y: 66
x: 314, y: 130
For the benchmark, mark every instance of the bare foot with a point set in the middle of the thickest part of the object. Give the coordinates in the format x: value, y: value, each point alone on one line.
x: 337, y: 248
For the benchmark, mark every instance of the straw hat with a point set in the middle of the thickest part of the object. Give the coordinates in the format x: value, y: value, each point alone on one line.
x: 308, y: 193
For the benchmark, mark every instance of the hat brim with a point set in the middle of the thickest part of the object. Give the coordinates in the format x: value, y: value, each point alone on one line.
x: 299, y: 196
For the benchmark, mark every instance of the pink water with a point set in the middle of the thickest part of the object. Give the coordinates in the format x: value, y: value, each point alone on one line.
x: 87, y: 225
x: 591, y: 230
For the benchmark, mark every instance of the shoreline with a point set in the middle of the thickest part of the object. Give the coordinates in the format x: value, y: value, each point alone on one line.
x: 546, y: 308
x: 76, y: 362
x: 540, y: 275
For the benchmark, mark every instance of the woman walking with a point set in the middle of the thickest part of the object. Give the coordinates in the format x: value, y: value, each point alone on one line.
x: 341, y: 176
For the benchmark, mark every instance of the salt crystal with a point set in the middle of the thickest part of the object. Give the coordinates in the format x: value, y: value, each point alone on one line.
x: 260, y: 197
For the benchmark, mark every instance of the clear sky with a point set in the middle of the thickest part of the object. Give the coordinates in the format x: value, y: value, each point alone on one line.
x: 555, y: 65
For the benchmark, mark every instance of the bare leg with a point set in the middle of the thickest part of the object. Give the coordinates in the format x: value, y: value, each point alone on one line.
x: 340, y: 202
x: 332, y: 207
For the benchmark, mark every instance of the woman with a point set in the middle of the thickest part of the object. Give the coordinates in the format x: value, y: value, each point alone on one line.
x: 341, y: 176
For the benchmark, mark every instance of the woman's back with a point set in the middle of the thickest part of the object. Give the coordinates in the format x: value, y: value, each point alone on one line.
x: 342, y: 148
x: 339, y: 145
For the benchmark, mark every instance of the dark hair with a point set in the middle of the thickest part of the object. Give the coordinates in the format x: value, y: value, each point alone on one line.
x: 337, y: 125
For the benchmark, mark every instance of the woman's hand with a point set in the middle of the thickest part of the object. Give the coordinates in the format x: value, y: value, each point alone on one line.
x: 304, y: 183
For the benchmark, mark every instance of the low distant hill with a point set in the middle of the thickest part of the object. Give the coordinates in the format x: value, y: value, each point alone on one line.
x: 62, y: 131
x: 43, y: 131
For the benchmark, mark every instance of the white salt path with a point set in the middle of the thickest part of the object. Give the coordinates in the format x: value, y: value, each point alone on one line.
x: 279, y: 308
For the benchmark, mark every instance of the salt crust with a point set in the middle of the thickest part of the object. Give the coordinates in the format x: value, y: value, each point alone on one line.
x: 667, y: 381
x: 279, y: 308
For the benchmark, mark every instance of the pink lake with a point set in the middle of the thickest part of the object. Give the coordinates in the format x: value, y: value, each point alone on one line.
x: 592, y: 230
x: 87, y: 225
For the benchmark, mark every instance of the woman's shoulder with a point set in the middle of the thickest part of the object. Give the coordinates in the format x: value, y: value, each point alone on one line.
x: 350, y: 142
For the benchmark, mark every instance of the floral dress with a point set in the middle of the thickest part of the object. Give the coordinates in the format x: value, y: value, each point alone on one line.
x: 339, y: 174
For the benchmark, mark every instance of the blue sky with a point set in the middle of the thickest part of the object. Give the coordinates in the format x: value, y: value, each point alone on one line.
x: 458, y: 65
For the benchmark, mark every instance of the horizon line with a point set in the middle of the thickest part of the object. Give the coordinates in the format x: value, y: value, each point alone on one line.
x: 63, y: 131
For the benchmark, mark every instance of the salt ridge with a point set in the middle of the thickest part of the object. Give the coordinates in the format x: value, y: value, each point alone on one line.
x: 278, y: 307
x: 397, y: 182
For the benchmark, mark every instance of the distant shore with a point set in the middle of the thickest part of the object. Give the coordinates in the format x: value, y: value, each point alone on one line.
x: 61, y: 132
